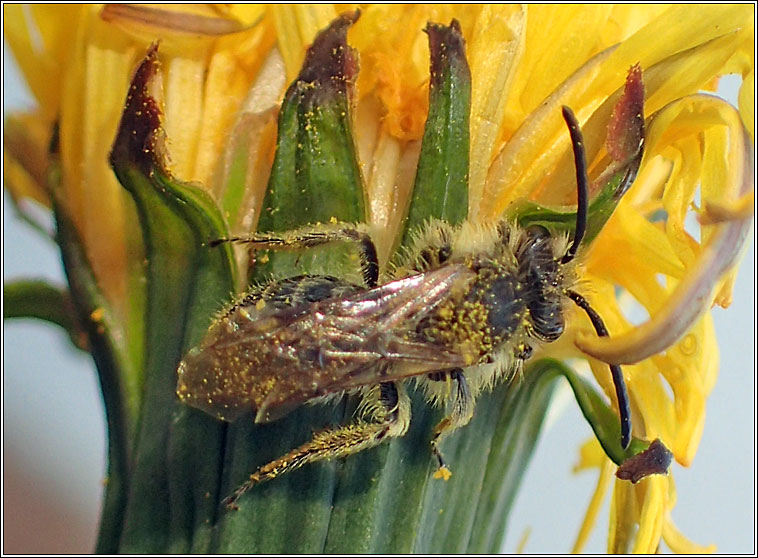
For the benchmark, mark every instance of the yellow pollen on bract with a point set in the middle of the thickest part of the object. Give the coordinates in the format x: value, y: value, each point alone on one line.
x: 443, y: 473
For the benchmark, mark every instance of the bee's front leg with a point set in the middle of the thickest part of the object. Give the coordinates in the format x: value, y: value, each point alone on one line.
x: 463, y: 410
x: 312, y: 236
x: 389, y: 408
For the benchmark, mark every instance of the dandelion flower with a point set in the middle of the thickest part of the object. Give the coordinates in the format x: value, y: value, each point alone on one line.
x: 232, y: 124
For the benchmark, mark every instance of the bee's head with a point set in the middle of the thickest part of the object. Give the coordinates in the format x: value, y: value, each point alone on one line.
x: 540, y: 267
x: 542, y: 271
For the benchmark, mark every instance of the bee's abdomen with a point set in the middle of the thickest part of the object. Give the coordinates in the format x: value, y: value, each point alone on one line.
x: 211, y: 381
x: 228, y: 374
x: 291, y: 292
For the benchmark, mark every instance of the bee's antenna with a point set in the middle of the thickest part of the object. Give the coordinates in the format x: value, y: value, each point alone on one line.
x: 618, y: 376
x: 582, y: 182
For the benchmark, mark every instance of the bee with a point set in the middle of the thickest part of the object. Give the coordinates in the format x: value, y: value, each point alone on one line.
x: 466, y: 306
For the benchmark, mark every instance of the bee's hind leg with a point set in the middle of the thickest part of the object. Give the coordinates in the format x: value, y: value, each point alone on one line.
x: 388, y: 411
x: 463, y: 410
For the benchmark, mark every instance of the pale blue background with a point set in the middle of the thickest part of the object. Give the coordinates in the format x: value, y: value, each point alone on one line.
x: 54, y: 434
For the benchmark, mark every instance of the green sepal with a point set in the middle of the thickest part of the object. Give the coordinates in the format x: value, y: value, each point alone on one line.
x: 174, y: 483
x: 315, y: 179
x: 42, y: 301
x: 562, y: 219
x: 441, y: 186
x: 624, y: 144
x: 388, y: 500
x: 115, y: 354
x: 603, y: 420
x: 385, y: 500
x: 115, y: 366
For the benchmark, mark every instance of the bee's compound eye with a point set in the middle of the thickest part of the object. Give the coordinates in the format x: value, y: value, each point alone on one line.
x: 536, y: 250
x: 541, y: 274
x: 537, y: 232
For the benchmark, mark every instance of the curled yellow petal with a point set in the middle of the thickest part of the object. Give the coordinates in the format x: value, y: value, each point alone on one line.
x: 716, y: 212
x: 193, y: 20
x: 694, y: 294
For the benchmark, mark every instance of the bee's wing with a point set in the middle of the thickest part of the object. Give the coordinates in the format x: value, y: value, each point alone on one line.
x: 362, y: 339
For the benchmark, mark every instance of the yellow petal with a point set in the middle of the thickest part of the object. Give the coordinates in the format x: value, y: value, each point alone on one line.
x: 41, y: 38
x: 591, y: 456
x: 624, y: 515
x: 246, y: 14
x: 679, y: 28
x: 494, y: 51
x: 553, y: 50
x: 93, y: 95
x: 680, y: 544
x: 637, y: 515
x: 20, y: 184
x: 690, y: 368
x: 296, y: 26
x: 678, y: 195
x: 653, y: 491
x: 542, y: 139
x: 537, y: 145
x: 747, y: 103
x: 627, y: 19
x: 655, y: 409
x: 630, y: 241
x: 689, y: 71
x: 590, y: 517
x: 26, y: 140
x: 184, y: 84
x: 715, y: 212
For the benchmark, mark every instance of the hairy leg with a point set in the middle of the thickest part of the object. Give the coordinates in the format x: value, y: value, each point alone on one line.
x: 389, y: 407
x: 309, y: 237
